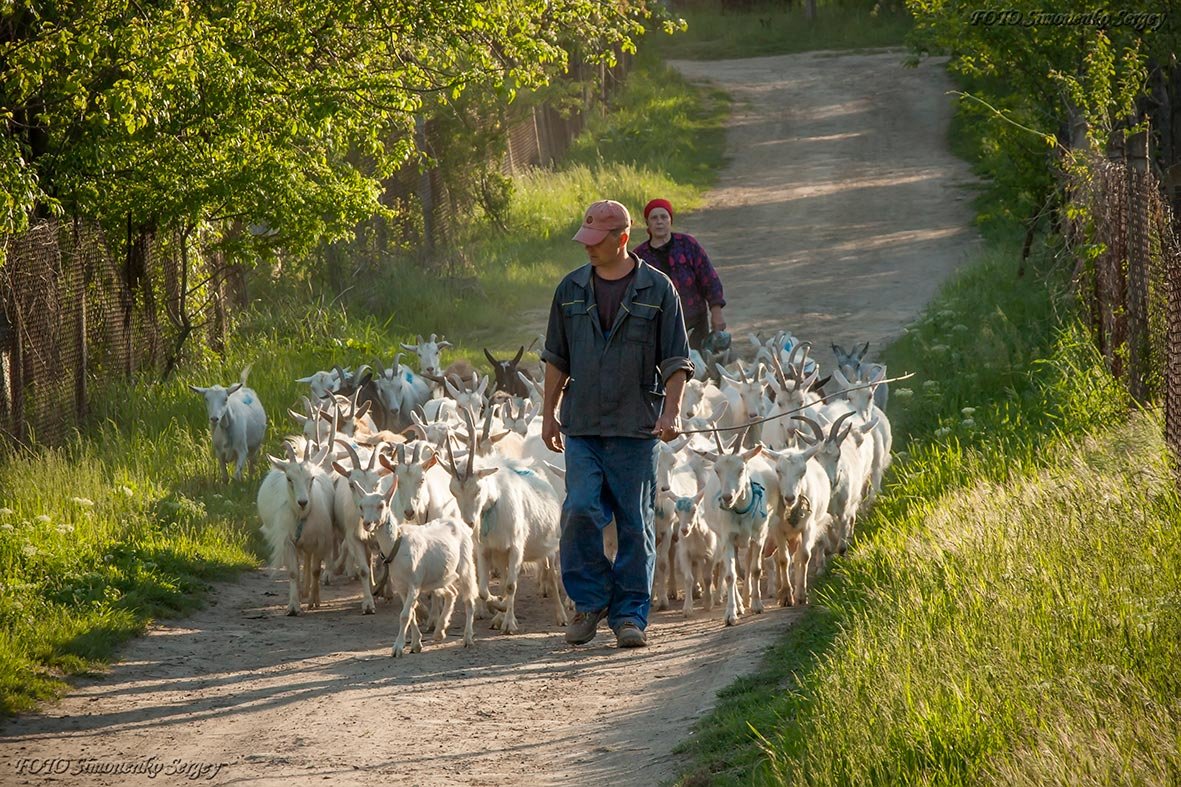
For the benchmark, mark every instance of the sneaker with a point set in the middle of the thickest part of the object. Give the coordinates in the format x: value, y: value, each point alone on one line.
x: 629, y: 635
x: 582, y: 629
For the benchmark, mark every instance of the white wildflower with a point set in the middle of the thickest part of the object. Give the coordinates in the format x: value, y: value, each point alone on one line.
x: 960, y: 327
x: 29, y: 550
x: 942, y: 431
x: 930, y: 384
x: 65, y: 529
x: 6, y: 511
x: 7, y: 528
x: 902, y: 393
x: 967, y: 412
x: 43, y: 519
x: 967, y: 423
x: 85, y: 502
x: 127, y: 491
x: 939, y: 348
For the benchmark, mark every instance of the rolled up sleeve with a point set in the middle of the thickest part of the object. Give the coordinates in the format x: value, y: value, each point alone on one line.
x: 557, y: 345
x: 674, y: 341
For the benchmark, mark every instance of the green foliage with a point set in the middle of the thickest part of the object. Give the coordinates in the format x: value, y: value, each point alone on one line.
x: 1032, y: 77
x: 281, y: 115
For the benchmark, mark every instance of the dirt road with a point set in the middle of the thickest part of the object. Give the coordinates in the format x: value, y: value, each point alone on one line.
x: 839, y: 214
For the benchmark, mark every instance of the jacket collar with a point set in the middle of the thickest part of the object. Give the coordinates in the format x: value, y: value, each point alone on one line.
x: 645, y: 277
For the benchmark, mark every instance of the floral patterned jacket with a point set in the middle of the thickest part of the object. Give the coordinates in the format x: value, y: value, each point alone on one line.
x: 691, y: 271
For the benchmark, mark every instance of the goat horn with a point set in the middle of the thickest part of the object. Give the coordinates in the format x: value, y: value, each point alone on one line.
x: 290, y: 451
x: 307, y: 405
x: 351, y: 451
x: 741, y: 439
x: 718, y: 440
x: 832, y: 431
x: 417, y: 448
x: 817, y: 431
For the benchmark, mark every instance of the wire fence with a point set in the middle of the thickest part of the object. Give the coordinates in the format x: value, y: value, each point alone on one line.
x: 1133, y: 284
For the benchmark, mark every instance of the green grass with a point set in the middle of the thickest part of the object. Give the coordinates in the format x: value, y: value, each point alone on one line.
x: 126, y: 523
x: 774, y: 29
x: 1008, y: 613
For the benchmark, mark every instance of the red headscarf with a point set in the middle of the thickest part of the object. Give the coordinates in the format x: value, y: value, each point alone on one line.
x: 658, y: 203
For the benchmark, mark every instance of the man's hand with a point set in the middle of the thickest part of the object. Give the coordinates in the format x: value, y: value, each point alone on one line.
x: 551, y: 433
x: 667, y: 426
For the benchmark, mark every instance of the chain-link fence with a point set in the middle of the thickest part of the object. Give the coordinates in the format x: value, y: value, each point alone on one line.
x: 1133, y: 288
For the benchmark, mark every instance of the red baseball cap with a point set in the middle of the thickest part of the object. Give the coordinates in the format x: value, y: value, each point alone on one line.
x: 602, y: 217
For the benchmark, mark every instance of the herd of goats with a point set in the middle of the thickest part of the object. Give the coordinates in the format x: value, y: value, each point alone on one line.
x: 425, y: 484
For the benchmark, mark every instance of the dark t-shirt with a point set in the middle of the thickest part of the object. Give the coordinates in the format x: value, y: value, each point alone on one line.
x: 608, y: 295
x: 659, y: 258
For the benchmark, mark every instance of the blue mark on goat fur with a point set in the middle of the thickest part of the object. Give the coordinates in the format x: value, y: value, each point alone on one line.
x: 248, y: 399
x: 522, y: 471
x: 409, y: 377
x: 684, y: 504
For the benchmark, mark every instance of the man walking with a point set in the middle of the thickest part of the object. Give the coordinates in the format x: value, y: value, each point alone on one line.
x: 616, y: 356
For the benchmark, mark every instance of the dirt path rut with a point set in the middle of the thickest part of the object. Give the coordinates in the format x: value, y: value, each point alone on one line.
x: 840, y: 203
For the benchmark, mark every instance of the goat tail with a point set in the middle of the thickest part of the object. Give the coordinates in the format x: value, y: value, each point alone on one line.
x: 245, y: 373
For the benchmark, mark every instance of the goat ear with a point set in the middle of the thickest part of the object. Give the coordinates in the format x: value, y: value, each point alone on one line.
x: 839, y: 352
x: 385, y: 462
x: 233, y: 389
x: 428, y: 464
x: 197, y: 390
x: 445, y: 345
x: 298, y: 417
x: 861, y: 353
x: 364, y: 409
x: 751, y: 453
x: 484, y: 472
x: 298, y: 380
x: 697, y: 498
x: 452, y: 391
x: 389, y: 494
x: 338, y: 467
x: 277, y: 463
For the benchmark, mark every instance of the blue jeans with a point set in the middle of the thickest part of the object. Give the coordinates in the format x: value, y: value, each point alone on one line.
x: 605, y: 477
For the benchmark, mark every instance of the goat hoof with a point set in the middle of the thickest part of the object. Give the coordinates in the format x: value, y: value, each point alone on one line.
x: 368, y: 609
x: 731, y: 620
x: 294, y: 612
x: 397, y: 651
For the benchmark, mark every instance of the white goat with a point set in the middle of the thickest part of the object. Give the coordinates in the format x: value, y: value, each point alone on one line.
x: 697, y: 550
x: 237, y: 422
x: 862, y: 401
x: 513, y: 512
x: 804, y: 495
x: 429, y: 353
x: 433, y: 558
x: 846, y: 457
x: 423, y: 492
x: 347, y: 517
x: 852, y: 365
x: 295, y: 506
x: 740, y: 505
x: 401, y: 391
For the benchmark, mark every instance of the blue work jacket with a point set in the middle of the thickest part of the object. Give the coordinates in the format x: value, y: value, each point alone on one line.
x: 616, y: 375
